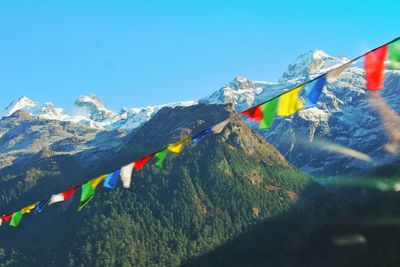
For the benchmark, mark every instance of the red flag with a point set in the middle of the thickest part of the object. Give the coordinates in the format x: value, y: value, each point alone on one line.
x: 141, y: 162
x: 69, y: 192
x: 7, y: 217
x: 254, y: 113
x: 374, y: 66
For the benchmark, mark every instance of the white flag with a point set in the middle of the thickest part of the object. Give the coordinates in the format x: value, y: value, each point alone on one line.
x: 217, y: 128
x: 332, y: 75
x: 126, y: 174
x: 56, y: 198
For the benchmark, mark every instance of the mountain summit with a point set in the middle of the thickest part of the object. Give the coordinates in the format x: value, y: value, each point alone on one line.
x: 314, y: 62
x: 22, y: 102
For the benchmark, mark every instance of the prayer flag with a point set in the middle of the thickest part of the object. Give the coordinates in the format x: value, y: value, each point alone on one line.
x: 142, y: 161
x: 290, y: 103
x: 16, y: 218
x: 88, y: 190
x: 111, y: 180
x: 197, y: 137
x: 63, y: 196
x: 40, y: 205
x: 268, y: 110
x: 374, y: 63
x: 126, y: 174
x: 161, y: 155
x: 29, y: 208
x: 219, y: 127
x: 254, y: 113
x: 177, y: 147
x: 314, y: 90
x: 332, y: 75
x: 394, y: 55
x: 6, y: 217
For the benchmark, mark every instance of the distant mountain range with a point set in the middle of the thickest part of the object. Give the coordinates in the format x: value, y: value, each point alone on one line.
x: 342, y: 116
x: 88, y: 111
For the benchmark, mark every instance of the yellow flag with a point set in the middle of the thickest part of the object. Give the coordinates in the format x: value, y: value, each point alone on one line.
x: 28, y: 209
x: 289, y: 103
x: 177, y: 147
x: 94, y: 182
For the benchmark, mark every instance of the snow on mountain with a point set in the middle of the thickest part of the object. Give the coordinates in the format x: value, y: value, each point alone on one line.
x: 92, y: 108
x: 314, y: 62
x: 90, y: 112
x: 20, y: 103
x: 343, y: 115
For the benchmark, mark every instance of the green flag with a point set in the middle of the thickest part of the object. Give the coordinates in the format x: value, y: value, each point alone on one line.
x: 161, y: 155
x: 16, y: 218
x: 394, y: 55
x: 87, y: 194
x: 268, y: 113
x: 89, y: 189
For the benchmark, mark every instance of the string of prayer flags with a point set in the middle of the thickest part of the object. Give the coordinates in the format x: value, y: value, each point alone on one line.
x: 111, y: 179
x: 161, y: 155
x: 126, y: 174
x: 313, y: 91
x: 89, y: 189
x: 177, y: 147
x: 63, y: 196
x: 219, y: 127
x: 263, y: 114
x: 40, y: 205
x: 289, y: 103
x: 394, y: 55
x: 374, y: 63
x: 197, y: 137
x: 285, y: 104
x: 16, y: 218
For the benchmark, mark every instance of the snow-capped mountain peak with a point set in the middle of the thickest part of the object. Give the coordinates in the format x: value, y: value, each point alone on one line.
x: 311, y: 63
x: 92, y: 107
x: 22, y: 102
x: 48, y: 111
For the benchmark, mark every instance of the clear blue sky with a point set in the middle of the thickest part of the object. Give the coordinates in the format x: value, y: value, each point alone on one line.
x: 138, y: 53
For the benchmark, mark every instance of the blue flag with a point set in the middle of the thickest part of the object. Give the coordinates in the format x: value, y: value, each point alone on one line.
x: 111, y: 180
x: 314, y: 90
x: 197, y: 137
x: 39, y: 206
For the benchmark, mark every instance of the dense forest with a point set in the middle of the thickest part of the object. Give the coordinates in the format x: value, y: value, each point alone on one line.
x: 232, y: 200
x: 198, y: 200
